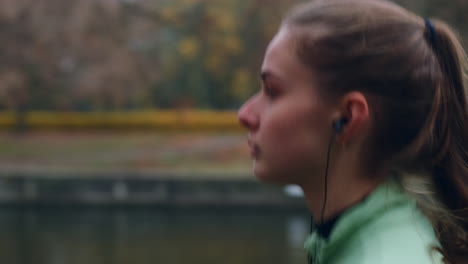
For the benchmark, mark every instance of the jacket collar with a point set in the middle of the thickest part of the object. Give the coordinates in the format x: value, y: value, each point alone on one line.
x: 388, y: 195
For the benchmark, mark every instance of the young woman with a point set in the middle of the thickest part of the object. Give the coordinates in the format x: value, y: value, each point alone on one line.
x: 363, y: 105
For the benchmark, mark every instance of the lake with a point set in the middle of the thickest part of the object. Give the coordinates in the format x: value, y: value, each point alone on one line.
x: 166, y: 236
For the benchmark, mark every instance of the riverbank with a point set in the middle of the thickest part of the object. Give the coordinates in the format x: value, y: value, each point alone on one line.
x: 182, y: 170
x: 123, y: 151
x: 164, y: 190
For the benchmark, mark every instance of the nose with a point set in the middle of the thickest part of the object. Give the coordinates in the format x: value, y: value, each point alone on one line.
x: 248, y: 116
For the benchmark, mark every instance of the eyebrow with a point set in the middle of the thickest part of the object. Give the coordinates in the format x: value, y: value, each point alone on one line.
x: 265, y: 75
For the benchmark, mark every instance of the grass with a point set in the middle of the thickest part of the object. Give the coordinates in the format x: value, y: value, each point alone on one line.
x: 120, y: 151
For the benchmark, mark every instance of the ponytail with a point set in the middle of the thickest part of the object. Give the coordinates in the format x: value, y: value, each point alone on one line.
x: 449, y: 142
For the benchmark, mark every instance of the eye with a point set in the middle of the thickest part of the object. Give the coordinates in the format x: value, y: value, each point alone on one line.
x: 270, y: 91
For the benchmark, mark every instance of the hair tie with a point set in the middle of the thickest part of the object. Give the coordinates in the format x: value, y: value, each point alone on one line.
x: 431, y: 30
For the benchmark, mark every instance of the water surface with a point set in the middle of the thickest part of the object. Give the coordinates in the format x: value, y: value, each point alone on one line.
x: 151, y: 236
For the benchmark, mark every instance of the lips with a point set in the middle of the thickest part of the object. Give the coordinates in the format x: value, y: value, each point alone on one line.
x: 254, y: 149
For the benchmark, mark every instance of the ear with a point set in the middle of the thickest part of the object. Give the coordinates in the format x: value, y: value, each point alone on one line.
x: 355, y: 108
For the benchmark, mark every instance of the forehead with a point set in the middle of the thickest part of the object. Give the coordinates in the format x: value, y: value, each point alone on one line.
x: 281, y: 59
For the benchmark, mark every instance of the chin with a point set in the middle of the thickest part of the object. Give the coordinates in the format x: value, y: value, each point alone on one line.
x: 266, y: 175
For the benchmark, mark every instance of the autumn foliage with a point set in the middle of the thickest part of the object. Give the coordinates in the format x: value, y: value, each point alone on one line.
x: 121, y: 55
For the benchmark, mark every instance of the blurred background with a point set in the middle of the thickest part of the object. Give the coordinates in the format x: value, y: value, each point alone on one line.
x: 119, y: 140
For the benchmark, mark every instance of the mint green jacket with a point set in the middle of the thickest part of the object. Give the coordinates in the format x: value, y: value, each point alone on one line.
x: 385, y: 228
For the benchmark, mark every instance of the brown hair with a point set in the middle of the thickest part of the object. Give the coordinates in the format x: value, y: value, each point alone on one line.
x: 412, y: 72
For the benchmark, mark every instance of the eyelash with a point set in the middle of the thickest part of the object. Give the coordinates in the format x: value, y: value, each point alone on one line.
x: 269, y: 92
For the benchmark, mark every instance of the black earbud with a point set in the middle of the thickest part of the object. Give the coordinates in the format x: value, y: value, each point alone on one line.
x: 339, y: 124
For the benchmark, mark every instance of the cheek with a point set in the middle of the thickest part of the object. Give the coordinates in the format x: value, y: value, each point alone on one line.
x: 299, y: 148
x: 294, y: 143
x: 295, y: 127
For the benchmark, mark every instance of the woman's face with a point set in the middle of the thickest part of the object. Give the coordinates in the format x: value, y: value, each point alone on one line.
x: 289, y: 123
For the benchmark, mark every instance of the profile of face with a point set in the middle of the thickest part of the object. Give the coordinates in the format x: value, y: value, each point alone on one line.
x: 289, y: 123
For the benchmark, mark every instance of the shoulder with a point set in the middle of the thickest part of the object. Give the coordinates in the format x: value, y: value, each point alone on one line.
x: 386, y: 228
x: 405, y: 239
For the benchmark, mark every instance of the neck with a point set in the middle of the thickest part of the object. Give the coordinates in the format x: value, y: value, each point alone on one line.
x: 345, y: 189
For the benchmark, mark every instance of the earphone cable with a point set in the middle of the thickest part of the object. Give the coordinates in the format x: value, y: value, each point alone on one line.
x: 325, y: 194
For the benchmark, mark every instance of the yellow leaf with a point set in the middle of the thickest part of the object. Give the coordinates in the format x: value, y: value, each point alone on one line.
x: 214, y: 63
x: 188, y: 47
x: 241, y: 84
x: 168, y: 14
x: 233, y: 45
